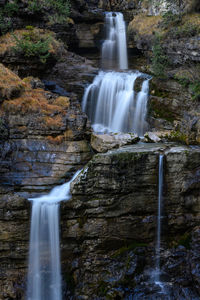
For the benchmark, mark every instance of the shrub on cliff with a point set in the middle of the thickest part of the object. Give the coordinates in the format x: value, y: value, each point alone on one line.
x: 33, y: 44
x: 190, y: 79
x: 170, y: 19
x: 6, y: 14
x: 159, y: 59
x: 58, y: 10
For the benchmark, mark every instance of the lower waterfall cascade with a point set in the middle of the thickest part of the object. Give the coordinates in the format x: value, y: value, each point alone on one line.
x: 44, y: 271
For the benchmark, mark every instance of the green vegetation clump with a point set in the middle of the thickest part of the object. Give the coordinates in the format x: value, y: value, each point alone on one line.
x: 170, y: 19
x: 185, y: 30
x: 195, y: 89
x: 6, y: 14
x: 34, y: 6
x: 33, y: 45
x: 102, y: 288
x: 185, y: 240
x: 159, y: 60
x: 129, y: 247
x: 162, y: 112
x: 191, y: 81
x: 57, y: 10
x: 177, y: 136
x: 60, y: 9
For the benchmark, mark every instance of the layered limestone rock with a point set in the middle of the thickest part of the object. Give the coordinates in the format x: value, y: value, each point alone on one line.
x: 44, y: 138
x: 73, y: 73
x: 14, y: 240
x: 108, y: 228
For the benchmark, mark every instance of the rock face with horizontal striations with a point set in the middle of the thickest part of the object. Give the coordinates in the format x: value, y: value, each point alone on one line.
x: 44, y: 138
x: 109, y: 225
x: 108, y: 228
x: 14, y: 241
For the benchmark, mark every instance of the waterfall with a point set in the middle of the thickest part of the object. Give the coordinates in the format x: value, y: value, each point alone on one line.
x: 110, y: 101
x: 112, y: 105
x: 114, y: 50
x: 44, y: 271
x: 139, y: 123
x: 159, y: 219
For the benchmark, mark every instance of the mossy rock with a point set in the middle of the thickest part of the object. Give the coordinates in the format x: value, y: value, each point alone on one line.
x: 161, y: 112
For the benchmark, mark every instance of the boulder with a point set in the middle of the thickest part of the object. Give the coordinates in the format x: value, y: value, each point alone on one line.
x: 105, y: 142
x: 151, y: 137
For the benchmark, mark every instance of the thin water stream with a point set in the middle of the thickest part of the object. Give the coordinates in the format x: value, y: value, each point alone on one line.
x: 159, y: 223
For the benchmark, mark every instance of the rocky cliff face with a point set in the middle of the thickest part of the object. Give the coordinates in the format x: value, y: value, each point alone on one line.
x: 109, y: 226
x: 14, y: 237
x: 46, y: 137
x: 170, y: 45
x: 108, y: 229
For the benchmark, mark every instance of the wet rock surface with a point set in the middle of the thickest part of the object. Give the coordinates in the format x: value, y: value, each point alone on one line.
x: 109, y: 225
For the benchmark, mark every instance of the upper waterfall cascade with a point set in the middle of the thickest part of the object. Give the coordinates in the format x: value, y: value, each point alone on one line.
x: 110, y: 101
x: 114, y: 50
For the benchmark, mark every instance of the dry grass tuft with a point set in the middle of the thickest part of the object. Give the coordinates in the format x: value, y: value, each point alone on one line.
x: 62, y: 101
x: 56, y: 140
x: 55, y: 122
x: 144, y: 25
x: 8, y: 41
x: 10, y: 84
x: 50, y: 113
x: 193, y: 19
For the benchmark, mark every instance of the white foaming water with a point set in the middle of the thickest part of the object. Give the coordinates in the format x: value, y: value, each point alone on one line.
x: 110, y: 101
x: 139, y: 123
x: 114, y: 49
x: 44, y: 272
x: 112, y: 105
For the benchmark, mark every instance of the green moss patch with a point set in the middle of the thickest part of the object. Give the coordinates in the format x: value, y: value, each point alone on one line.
x: 132, y: 246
